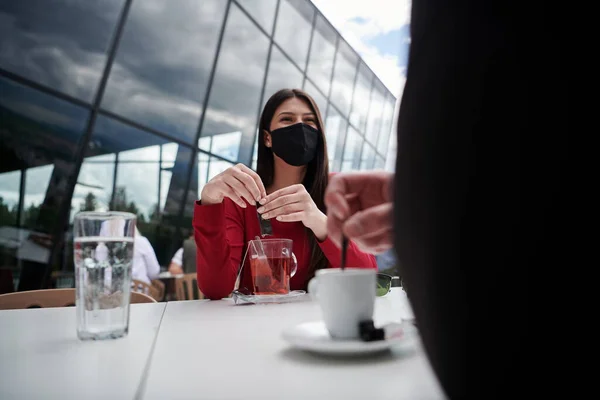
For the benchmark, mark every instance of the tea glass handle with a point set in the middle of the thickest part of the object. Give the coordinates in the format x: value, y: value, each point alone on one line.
x: 294, y: 265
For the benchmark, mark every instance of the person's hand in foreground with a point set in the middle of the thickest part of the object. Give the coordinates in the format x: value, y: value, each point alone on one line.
x: 359, y: 206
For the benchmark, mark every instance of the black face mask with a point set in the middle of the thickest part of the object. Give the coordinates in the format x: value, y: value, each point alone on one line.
x: 295, y: 144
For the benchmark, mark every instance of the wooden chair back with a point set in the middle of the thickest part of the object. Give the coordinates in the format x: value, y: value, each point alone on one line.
x: 160, y: 287
x: 38, y: 299
x: 150, y: 290
x: 49, y: 298
x: 137, y: 298
x: 186, y: 288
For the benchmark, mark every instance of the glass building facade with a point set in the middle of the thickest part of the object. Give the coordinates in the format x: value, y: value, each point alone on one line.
x: 135, y: 104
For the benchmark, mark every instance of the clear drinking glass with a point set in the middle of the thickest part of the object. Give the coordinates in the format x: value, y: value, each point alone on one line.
x: 103, y: 253
x: 272, y: 264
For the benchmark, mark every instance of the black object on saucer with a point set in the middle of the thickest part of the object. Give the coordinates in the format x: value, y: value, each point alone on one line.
x: 369, y: 333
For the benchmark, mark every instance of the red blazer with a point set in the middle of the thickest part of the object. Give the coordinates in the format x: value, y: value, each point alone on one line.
x: 222, y: 232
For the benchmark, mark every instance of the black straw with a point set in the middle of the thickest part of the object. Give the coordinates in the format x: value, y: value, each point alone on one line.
x: 344, y: 249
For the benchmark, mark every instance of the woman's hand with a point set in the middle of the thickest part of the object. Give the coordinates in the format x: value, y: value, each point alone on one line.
x: 237, y: 183
x: 293, y: 203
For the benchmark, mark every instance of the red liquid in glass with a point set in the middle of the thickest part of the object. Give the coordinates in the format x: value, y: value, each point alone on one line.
x: 270, y: 275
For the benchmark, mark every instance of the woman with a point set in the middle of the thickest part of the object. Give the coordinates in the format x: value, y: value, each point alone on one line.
x: 289, y: 187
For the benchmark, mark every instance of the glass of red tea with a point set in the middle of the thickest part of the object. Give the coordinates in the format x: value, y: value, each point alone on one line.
x: 272, y: 264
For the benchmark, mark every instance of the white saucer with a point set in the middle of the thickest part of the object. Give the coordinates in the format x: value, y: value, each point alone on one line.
x: 314, y: 337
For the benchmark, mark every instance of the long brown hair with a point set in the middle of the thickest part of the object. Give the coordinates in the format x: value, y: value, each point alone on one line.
x: 317, y: 171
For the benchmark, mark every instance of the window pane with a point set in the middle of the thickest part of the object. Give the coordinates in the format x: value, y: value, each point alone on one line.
x: 216, y: 166
x: 354, y: 142
x: 202, y: 173
x: 379, y: 163
x: 262, y: 11
x: 136, y: 190
x: 168, y: 158
x: 94, y: 185
x: 58, y: 43
x: 361, y: 99
x: 318, y: 97
x: 36, y: 183
x: 9, y: 197
x: 386, y: 126
x: 335, y: 131
x: 161, y: 71
x: 140, y: 159
x: 225, y: 145
x: 343, y: 77
x: 367, y: 158
x: 292, y: 33
x: 375, y: 113
x: 235, y: 95
x: 40, y: 120
x: 282, y: 74
x: 39, y: 136
x: 208, y: 169
x: 322, y: 51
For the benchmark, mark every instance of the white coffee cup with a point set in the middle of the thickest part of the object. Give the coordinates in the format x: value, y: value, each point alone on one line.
x: 346, y: 298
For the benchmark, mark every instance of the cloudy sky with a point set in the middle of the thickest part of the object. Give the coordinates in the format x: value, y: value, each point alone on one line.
x: 378, y: 30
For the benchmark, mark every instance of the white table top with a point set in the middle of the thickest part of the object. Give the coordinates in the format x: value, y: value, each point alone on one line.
x: 218, y: 350
x: 41, y: 357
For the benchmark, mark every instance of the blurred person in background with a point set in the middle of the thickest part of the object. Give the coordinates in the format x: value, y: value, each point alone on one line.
x: 145, y: 264
x: 176, y: 264
x: 184, y: 260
